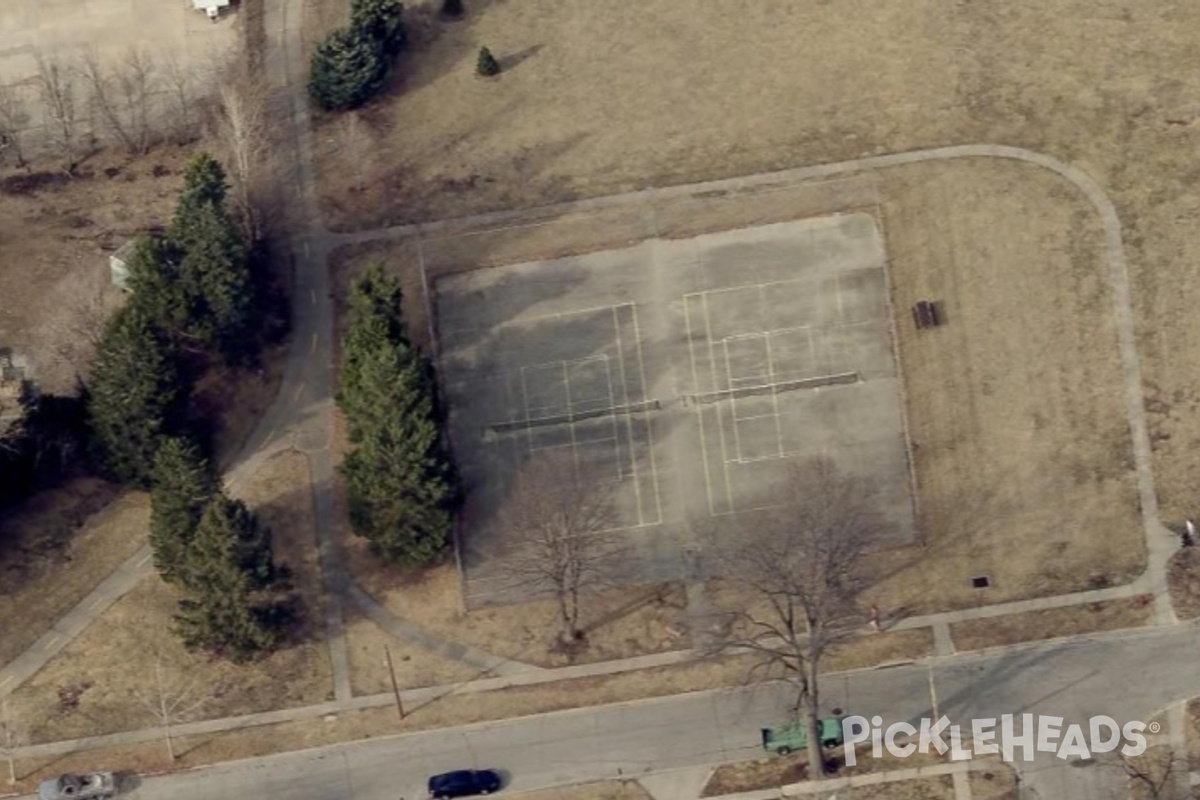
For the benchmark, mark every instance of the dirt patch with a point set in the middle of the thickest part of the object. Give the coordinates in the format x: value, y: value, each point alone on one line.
x: 107, y: 666
x: 414, y: 666
x: 1183, y: 575
x: 1050, y: 623
x: 58, y: 546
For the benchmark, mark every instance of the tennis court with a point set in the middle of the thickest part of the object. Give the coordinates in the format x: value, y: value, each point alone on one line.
x: 688, y: 374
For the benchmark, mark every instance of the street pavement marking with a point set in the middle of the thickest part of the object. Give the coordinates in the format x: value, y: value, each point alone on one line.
x: 142, y: 561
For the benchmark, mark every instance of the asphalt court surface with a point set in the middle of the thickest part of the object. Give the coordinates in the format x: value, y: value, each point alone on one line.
x: 684, y: 375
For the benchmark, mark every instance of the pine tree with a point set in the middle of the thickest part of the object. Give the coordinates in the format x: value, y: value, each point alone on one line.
x: 487, y: 65
x: 156, y: 286
x: 134, y: 398
x: 210, y: 265
x: 452, y: 8
x: 347, y: 70
x: 381, y: 21
x: 400, y: 482
x: 184, y: 485
x: 233, y: 600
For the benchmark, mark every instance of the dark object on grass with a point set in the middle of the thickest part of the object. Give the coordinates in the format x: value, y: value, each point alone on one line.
x: 452, y: 9
x: 487, y: 65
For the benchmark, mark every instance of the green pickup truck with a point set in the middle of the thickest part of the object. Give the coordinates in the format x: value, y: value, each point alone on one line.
x: 794, y: 736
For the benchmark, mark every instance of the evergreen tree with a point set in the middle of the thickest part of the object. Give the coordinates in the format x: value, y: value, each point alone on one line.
x: 487, y: 65
x: 184, y: 485
x: 381, y: 22
x: 156, y: 285
x: 134, y: 396
x: 452, y: 8
x: 204, y: 184
x: 347, y: 70
x: 233, y: 594
x: 400, y: 482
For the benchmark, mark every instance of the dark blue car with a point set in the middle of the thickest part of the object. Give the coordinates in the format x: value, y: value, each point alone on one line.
x: 464, y: 783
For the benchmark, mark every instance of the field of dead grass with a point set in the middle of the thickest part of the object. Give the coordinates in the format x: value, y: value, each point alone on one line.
x: 57, y: 547
x: 445, y: 711
x: 619, y: 623
x: 1050, y: 623
x: 1183, y: 575
x: 1104, y: 86
x: 109, y: 663
x: 1032, y: 488
x: 61, y: 232
x: 414, y: 667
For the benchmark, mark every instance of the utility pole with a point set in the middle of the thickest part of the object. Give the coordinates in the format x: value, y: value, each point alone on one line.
x: 395, y: 687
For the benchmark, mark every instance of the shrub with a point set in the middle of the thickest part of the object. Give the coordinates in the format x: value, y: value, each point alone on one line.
x: 486, y: 64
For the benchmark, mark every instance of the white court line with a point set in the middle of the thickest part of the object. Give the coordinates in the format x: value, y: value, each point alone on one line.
x: 562, y: 314
x: 625, y: 395
x: 637, y: 343
x: 737, y: 436
x: 570, y: 418
x: 687, y: 323
x: 774, y: 395
x: 712, y: 360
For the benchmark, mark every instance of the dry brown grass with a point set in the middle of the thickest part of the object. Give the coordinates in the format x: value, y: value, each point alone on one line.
x: 446, y: 711
x: 938, y: 787
x: 777, y: 771
x: 58, y: 546
x: 415, y: 667
x: 1032, y: 488
x: 1183, y: 574
x: 112, y: 658
x: 619, y: 623
x: 1050, y: 623
x: 1102, y: 85
x: 1016, y: 406
x: 601, y: 790
x: 57, y: 241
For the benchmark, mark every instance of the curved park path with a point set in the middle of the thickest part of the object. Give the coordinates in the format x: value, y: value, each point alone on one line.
x: 301, y: 418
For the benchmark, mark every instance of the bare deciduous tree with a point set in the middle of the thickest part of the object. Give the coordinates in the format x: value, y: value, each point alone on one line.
x: 122, y: 95
x: 559, y: 525
x: 12, y: 736
x: 1158, y: 774
x: 103, y: 97
x: 13, y: 121
x: 168, y: 704
x: 182, y: 96
x: 802, y: 567
x: 137, y: 83
x: 244, y: 132
x: 57, y: 91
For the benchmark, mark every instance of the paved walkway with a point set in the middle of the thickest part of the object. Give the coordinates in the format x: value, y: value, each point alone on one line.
x: 301, y: 415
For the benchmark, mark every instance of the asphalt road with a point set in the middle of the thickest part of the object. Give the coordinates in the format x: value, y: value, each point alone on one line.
x: 1128, y: 676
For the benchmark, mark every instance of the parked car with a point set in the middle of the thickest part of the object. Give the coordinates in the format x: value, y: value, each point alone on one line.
x: 794, y: 736
x: 70, y: 786
x: 464, y: 783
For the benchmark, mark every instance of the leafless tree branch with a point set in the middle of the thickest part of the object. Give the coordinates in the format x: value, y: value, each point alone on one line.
x: 802, y: 568
x: 559, y: 525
